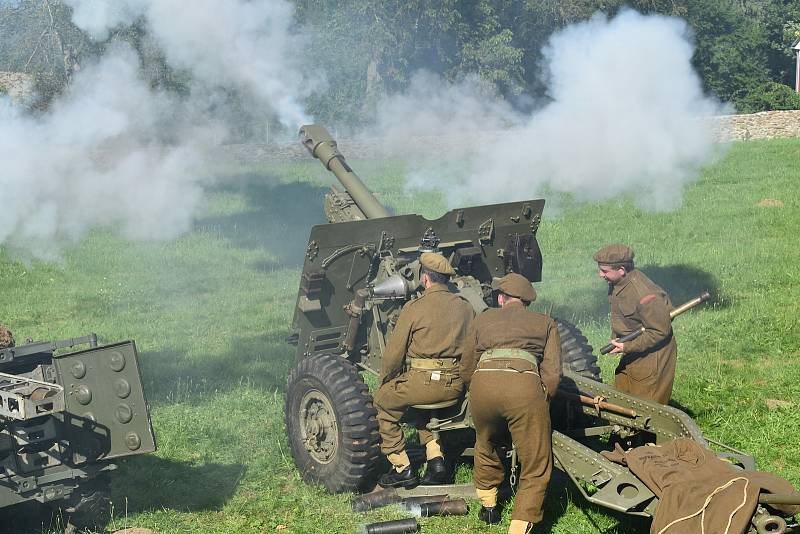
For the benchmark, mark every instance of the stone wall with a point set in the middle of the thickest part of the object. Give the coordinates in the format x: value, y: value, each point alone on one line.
x: 764, y: 125
x: 19, y: 86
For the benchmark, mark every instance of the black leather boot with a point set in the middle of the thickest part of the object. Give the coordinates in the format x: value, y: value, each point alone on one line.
x: 404, y: 479
x: 490, y: 515
x: 436, y: 472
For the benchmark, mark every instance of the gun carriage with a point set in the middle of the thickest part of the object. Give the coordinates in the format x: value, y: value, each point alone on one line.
x: 358, y: 272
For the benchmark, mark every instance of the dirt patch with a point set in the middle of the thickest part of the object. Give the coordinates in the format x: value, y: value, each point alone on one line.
x: 774, y: 404
x: 770, y: 203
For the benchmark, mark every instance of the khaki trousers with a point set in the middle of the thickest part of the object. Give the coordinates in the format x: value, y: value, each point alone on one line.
x: 504, y: 402
x: 415, y: 386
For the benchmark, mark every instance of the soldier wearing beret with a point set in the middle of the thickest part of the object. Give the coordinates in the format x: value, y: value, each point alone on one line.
x: 421, y: 365
x: 516, y: 357
x: 647, y: 366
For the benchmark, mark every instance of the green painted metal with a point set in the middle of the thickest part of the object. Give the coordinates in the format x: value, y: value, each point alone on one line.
x: 341, y: 312
x: 322, y: 146
x: 88, y: 409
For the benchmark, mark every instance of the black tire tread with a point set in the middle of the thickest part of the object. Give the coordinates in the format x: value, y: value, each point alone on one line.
x: 576, y: 352
x: 358, y: 451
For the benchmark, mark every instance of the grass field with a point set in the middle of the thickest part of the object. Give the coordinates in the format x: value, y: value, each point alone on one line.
x: 210, y: 311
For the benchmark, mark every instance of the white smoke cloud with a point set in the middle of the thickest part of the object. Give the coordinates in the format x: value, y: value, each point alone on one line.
x: 99, y: 17
x: 624, y: 119
x: 114, y: 152
x: 94, y: 160
x: 247, y: 46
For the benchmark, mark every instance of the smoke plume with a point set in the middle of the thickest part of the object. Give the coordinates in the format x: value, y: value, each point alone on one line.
x: 246, y: 46
x: 624, y: 118
x: 94, y: 159
x: 112, y: 151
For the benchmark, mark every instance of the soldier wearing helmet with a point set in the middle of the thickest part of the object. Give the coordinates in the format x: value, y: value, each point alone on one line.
x: 421, y: 365
x: 516, y: 357
x: 647, y: 366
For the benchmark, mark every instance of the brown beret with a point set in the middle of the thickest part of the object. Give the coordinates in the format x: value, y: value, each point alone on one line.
x: 436, y: 262
x: 615, y: 254
x: 516, y: 285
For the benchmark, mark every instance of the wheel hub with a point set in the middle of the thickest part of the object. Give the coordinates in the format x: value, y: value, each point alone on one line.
x: 318, y: 426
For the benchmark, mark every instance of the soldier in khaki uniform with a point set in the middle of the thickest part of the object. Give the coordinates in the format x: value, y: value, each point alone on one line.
x: 647, y: 366
x: 516, y: 354
x: 421, y: 366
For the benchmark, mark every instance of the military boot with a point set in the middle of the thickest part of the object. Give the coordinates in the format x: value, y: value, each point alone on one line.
x: 435, y: 472
x: 399, y: 479
x: 490, y: 510
x: 401, y: 475
x: 490, y: 514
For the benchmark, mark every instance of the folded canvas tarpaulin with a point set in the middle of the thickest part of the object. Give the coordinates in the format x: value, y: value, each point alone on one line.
x: 699, y: 492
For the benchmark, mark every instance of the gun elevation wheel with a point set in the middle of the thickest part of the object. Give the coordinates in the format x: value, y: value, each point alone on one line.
x: 331, y: 424
x: 576, y: 352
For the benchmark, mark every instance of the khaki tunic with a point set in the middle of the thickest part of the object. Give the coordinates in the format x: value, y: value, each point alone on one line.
x: 433, y: 326
x: 507, y: 396
x: 647, y: 369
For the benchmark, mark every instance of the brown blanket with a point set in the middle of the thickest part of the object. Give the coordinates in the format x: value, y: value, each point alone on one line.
x: 699, y: 492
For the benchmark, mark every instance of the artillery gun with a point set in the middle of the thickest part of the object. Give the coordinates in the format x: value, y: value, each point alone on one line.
x: 358, y: 272
x: 65, y: 416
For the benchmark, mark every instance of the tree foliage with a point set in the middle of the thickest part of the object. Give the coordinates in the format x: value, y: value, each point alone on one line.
x: 366, y: 49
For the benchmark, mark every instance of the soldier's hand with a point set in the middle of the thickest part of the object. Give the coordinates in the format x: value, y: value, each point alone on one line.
x: 619, y: 348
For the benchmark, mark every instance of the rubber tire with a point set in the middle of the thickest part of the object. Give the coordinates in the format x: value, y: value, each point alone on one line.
x: 353, y: 467
x: 576, y: 352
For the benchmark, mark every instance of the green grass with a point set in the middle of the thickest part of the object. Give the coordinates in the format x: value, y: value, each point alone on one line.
x: 209, y: 312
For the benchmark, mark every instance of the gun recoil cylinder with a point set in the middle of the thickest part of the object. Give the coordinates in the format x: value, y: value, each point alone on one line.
x: 399, y: 526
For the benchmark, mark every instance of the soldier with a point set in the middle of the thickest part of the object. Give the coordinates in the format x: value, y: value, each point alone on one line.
x: 429, y: 340
x: 647, y: 366
x: 517, y: 353
x: 6, y: 338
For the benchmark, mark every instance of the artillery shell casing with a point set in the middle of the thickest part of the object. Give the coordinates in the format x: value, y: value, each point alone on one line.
x: 454, y: 507
x: 416, y: 501
x: 399, y: 526
x: 376, y: 499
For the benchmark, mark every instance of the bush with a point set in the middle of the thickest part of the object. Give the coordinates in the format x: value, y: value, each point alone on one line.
x: 769, y: 96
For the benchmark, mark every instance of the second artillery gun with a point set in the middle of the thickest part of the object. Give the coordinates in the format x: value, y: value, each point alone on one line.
x: 66, y: 417
x: 358, y: 272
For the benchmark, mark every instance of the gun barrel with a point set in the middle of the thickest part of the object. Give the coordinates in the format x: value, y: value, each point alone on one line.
x: 323, y: 147
x: 686, y: 306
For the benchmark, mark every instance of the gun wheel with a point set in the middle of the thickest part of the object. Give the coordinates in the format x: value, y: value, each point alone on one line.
x: 576, y: 352
x: 331, y: 424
